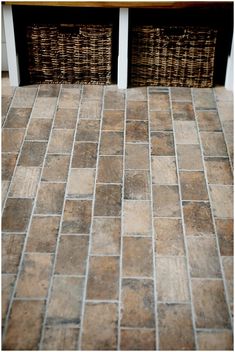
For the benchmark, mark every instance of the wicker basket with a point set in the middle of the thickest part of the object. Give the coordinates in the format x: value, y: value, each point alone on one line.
x: 68, y: 53
x: 172, y: 56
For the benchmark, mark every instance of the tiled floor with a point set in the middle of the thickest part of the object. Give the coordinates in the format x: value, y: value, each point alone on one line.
x: 117, y: 218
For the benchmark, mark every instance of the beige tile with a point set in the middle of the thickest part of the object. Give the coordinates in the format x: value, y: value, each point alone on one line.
x: 84, y: 155
x: 137, y: 218
x: 107, y: 200
x: 90, y: 109
x: 160, y: 121
x: 12, y: 246
x: 60, y: 338
x: 61, y: 141
x: 162, y: 144
x: 69, y: 98
x: 88, y: 130
x: 81, y: 183
x: 44, y: 107
x: 224, y: 229
x: 110, y: 169
x: 193, y: 185
x: 158, y: 100
x: 222, y: 201
x: 137, y: 185
x: 92, y: 92
x: 185, y: 132
x: 223, y: 94
x: 49, y: 90
x: 16, y: 215
x: 50, y: 198
x: 181, y: 94
x: 208, y: 121
x: 113, y: 120
x: 32, y: 154
x: 189, y: 157
x: 77, y: 216
x: 215, y: 340
x: 139, y: 93
x: 137, y: 156
x: 166, y: 201
x: 12, y: 139
x: 227, y: 263
x: 213, y: 144
x: 17, y: 118
x: 39, y: 129
x: 106, y: 236
x: 4, y: 188
x: 137, y: 339
x: 8, y: 165
x: 164, y: 170
x: 218, y: 171
x: 65, y: 118
x: 24, y: 97
x: 8, y: 281
x: 225, y: 109
x: 56, y: 168
x: 197, y: 218
x: 25, y: 182
x: 204, y: 98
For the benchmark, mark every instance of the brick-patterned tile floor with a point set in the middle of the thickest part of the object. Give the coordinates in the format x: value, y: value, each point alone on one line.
x: 117, y: 218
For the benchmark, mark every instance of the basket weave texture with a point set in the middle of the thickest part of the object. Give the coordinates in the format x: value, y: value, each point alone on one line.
x: 173, y: 56
x: 69, y: 53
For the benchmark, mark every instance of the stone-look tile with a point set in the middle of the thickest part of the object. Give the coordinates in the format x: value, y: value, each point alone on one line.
x: 88, y: 131
x: 24, y: 327
x: 137, y: 339
x: 69, y: 98
x: 24, y: 97
x: 81, y: 183
x: 183, y: 111
x: 32, y: 154
x: 222, y: 201
x: 160, y: 121
x: 162, y: 144
x: 137, y: 218
x: 103, y: 278
x: 108, y: 200
x: 60, y: 338
x: 12, y: 139
x: 8, y: 282
x: 43, y: 234
x: 4, y: 189
x: 56, y: 168
x: 84, y: 155
x: 137, y: 185
x: 61, y: 141
x: 17, y: 118
x: 139, y: 93
x: 114, y: 98
x: 185, y: 132
x: 106, y: 236
x: 137, y: 257
x: 92, y: 92
x: 12, y: 246
x: 137, y: 156
x: 113, y: 120
x: 65, y: 301
x: 225, y: 109
x: 137, y: 131
x: 100, y: 326
x: 169, y: 236
x: 77, y: 216
x: 166, y: 201
x: 44, y: 107
x: 49, y: 90
x: 215, y: 340
x: 137, y: 110
x: 111, y: 143
x: 39, y: 129
x: 110, y: 169
x: 90, y: 109
x: 65, y: 118
x: 197, y: 218
x: 189, y: 157
x: 16, y: 214
x: 224, y: 229
x: 208, y: 121
x: 5, y: 104
x: 203, y: 257
x: 227, y: 263
x: 181, y: 94
x: 193, y: 185
x: 8, y: 165
x: 137, y: 303
x: 210, y: 306
x: 172, y: 279
x: 25, y: 182
x: 50, y: 198
x: 213, y: 144
x: 218, y: 171
x: 175, y: 327
x: 164, y: 170
x: 72, y: 255
x: 35, y: 274
x: 223, y: 94
x: 204, y: 98
x: 158, y: 100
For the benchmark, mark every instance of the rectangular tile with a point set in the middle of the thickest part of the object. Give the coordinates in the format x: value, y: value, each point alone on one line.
x: 8, y: 165
x: 92, y: 92
x: 69, y: 98
x: 90, y: 109
x: 137, y: 218
x: 61, y: 141
x: 50, y: 198
x: 183, y: 111
x: 208, y: 121
x: 4, y: 188
x: 137, y: 156
x: 39, y: 129
x: 222, y: 201
x: 224, y: 229
x: 88, y: 130
x: 137, y: 339
x: 106, y: 236
x: 137, y: 185
x: 77, y: 216
x: 113, y: 120
x: 56, y: 168
x: 215, y: 340
x: 185, y: 132
x: 49, y: 90
x: 158, y: 100
x: 164, y: 170
x: 108, y: 200
x: 137, y: 110
x: 137, y: 131
x: 227, y: 263
x: 137, y: 93
x: 17, y: 118
x: 162, y: 144
x: 32, y: 154
x: 166, y: 201
x: 12, y: 139
x: 12, y: 246
x: 213, y: 144
x: 24, y: 97
x: 197, y: 218
x: 225, y: 109
x: 111, y: 143
x: 193, y: 185
x: 84, y: 155
x: 8, y: 281
x: 218, y: 171
x: 65, y: 118
x: 114, y: 99
x: 44, y: 107
x: 189, y: 157
x: 204, y: 98
x: 16, y: 215
x: 160, y: 121
x: 181, y: 94
x: 81, y: 183
x: 60, y: 338
x: 110, y: 169
x: 25, y: 182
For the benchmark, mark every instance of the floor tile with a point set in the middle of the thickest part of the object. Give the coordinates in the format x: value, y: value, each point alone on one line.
x: 137, y: 339
x: 106, y: 236
x: 39, y: 129
x: 224, y: 229
x: 223, y: 94
x: 162, y: 144
x: 8, y: 281
x: 183, y: 111
x: 92, y: 92
x: 139, y: 93
x: 81, y: 183
x: 69, y: 98
x: 84, y: 155
x: 166, y: 201
x: 137, y: 156
x: 137, y: 218
x: 198, y: 219
x: 164, y: 170
x: 16, y: 215
x: 185, y: 132
x: 225, y: 109
x: 137, y: 110
x: 88, y: 130
x: 49, y: 90
x: 25, y: 182
x: 110, y: 169
x: 56, y: 168
x: 24, y: 97
x: 204, y: 98
x: 90, y: 109
x: 8, y: 165
x: 12, y: 246
x: 44, y: 107
x: 218, y: 171
x: 215, y: 340
x: 114, y: 99
x: 108, y: 200
x: 60, y: 338
x: 113, y: 120
x: 158, y: 100
x: 160, y: 121
x: 222, y: 201
x: 65, y: 118
x: 32, y: 154
x: 77, y: 216
x: 17, y: 118
x: 137, y: 185
x: 227, y: 263
x: 4, y: 188
x: 137, y: 131
x: 61, y: 141
x: 193, y: 185
x: 189, y: 157
x: 50, y: 198
x: 213, y: 144
x: 208, y: 121
x: 181, y: 94
x: 111, y: 143
x: 12, y: 139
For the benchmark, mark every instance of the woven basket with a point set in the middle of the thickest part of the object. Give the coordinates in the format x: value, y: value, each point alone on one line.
x: 172, y: 56
x: 69, y: 53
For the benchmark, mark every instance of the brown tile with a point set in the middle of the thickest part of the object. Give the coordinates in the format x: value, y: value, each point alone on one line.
x: 197, y: 218
x: 137, y: 257
x: 137, y: 156
x: 8, y: 165
x: 8, y: 282
x: 43, y: 234
x: 185, y: 132
x: 111, y: 143
x: 215, y: 340
x: 175, y: 327
x: 172, y: 279
x: 88, y: 130
x: 84, y: 155
x: 181, y: 94
x: 137, y: 185
x: 183, y: 111
x: 17, y: 118
x: 137, y: 110
x: 5, y: 104
x: 25, y: 182
x: 50, y: 198
x: 39, y: 129
x: 72, y: 255
x: 210, y: 306
x: 166, y: 201
x: 12, y: 246
x: 16, y: 214
x: 114, y: 99
x: 69, y: 98
x: 100, y: 326
x: 160, y: 121
x: 49, y: 90
x: 137, y: 218
x: 92, y: 92
x: 90, y: 109
x: 44, y: 107
x: 35, y: 274
x: 32, y: 154
x: 24, y: 97
x: 81, y: 183
x: 12, y: 139
x: 164, y: 170
x: 224, y: 229
x: 110, y: 169
x: 77, y: 216
x: 223, y: 94
x: 56, y: 168
x: 137, y: 303
x: 4, y: 189
x: 139, y: 93
x: 65, y: 118
x: 162, y: 143
x: 204, y: 98
x: 106, y: 236
x: 24, y: 328
x: 137, y: 339
x: 193, y: 185
x: 225, y: 109
x: 61, y: 141
x: 219, y: 171
x: 227, y: 263
x: 213, y: 144
x: 169, y: 236
x: 137, y: 131
x: 60, y: 338
x: 65, y: 300
x: 222, y: 201
x: 103, y: 278
x: 113, y: 120
x: 189, y: 157
x: 108, y: 200
x: 208, y: 120
x: 158, y: 100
